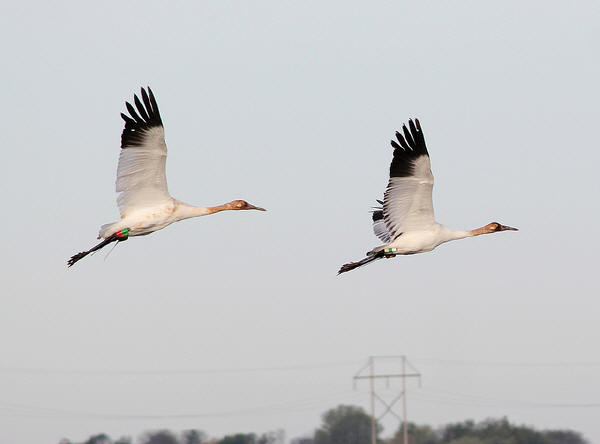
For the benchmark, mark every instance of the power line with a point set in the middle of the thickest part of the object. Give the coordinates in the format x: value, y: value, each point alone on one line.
x: 178, y: 372
x: 451, y: 397
x: 466, y: 362
x: 268, y: 409
x: 282, y: 368
x: 428, y: 395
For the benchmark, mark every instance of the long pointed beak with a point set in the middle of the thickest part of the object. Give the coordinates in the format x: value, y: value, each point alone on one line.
x: 506, y: 227
x: 252, y: 207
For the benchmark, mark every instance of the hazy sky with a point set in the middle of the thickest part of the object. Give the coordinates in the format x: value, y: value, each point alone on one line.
x: 291, y: 106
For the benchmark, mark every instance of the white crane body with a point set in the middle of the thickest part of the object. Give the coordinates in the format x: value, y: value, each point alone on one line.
x: 144, y: 221
x: 421, y: 241
x: 405, y: 221
x: 143, y: 198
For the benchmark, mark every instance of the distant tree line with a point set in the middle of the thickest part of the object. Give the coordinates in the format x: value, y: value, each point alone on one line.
x: 186, y: 437
x: 347, y: 424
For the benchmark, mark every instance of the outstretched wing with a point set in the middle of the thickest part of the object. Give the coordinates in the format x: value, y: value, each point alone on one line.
x: 141, y: 177
x: 379, y: 227
x: 407, y: 204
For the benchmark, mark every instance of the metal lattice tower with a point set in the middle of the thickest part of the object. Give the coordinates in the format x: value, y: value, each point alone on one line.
x: 372, y: 376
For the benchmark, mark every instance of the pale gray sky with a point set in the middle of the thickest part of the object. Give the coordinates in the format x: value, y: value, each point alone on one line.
x: 291, y: 105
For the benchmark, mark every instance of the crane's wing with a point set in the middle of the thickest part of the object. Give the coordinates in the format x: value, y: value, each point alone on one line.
x: 379, y: 227
x: 141, y: 177
x: 407, y: 203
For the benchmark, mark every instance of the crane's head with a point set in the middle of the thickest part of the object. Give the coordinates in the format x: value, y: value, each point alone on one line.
x: 495, y: 227
x: 243, y: 205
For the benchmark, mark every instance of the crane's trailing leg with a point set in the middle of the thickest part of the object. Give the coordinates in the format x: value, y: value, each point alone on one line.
x: 119, y: 236
x: 365, y: 261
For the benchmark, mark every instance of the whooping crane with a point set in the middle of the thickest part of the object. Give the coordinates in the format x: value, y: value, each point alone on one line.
x: 144, y: 201
x: 405, y: 221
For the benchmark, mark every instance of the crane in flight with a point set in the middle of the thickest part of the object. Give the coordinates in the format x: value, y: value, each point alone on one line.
x: 405, y: 221
x: 143, y: 199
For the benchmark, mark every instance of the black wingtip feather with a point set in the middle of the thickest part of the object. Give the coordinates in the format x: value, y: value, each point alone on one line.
x: 154, y: 105
x: 136, y: 125
x: 377, y: 215
x: 378, y: 211
x: 132, y: 113
x: 411, y: 124
x: 140, y: 108
x: 410, y: 146
x: 127, y: 119
x: 403, y: 143
x: 146, y: 100
x: 408, y: 136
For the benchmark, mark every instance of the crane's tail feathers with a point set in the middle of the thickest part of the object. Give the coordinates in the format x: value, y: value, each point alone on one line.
x: 365, y: 261
x: 105, y: 229
x: 119, y: 236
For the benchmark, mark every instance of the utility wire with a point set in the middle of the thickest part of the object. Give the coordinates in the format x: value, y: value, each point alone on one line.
x: 471, y: 363
x: 269, y: 409
x: 445, y: 396
x: 180, y: 371
x: 281, y: 368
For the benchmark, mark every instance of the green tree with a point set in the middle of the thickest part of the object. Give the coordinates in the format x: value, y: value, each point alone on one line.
x: 101, y: 438
x: 457, y: 430
x: 303, y: 440
x: 563, y: 437
x: 500, y: 431
x: 470, y: 440
x: 417, y: 434
x: 193, y: 437
x: 159, y: 437
x: 273, y: 437
x: 345, y: 424
x: 239, y: 438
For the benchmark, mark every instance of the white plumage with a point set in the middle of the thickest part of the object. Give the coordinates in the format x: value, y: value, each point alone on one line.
x: 141, y: 177
x: 405, y: 222
x: 144, y: 202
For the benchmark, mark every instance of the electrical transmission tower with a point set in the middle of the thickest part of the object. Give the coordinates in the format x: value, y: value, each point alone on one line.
x: 372, y: 376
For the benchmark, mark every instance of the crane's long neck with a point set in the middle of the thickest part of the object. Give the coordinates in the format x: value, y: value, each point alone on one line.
x: 478, y: 231
x: 185, y: 211
x: 461, y: 234
x: 458, y: 234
